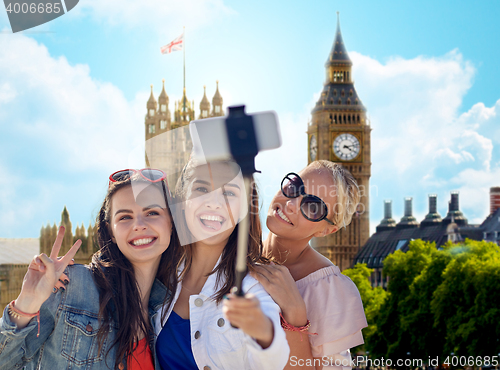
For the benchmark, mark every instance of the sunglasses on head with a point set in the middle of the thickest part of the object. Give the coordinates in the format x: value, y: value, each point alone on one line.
x: 312, y: 207
x: 149, y: 174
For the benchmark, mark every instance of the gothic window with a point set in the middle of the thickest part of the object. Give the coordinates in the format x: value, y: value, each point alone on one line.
x: 163, y: 108
x: 340, y: 101
x: 152, y: 128
x: 342, y: 93
x: 163, y: 124
x: 348, y: 76
x: 350, y: 92
x: 335, y: 92
x: 331, y: 119
x: 348, y: 101
x: 204, y: 113
x: 335, y: 119
x: 151, y: 112
x: 217, y: 109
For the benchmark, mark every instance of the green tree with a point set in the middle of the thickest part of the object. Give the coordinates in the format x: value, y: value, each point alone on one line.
x: 467, y: 302
x: 417, y: 319
x: 372, y: 298
x: 394, y: 338
x: 440, y: 301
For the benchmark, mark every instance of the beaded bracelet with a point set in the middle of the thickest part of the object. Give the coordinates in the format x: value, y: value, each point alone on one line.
x: 17, y: 314
x: 300, y: 329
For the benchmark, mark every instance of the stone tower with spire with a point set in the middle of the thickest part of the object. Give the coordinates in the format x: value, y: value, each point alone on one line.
x: 88, y: 248
x: 217, y: 103
x: 339, y: 132
x: 168, y: 143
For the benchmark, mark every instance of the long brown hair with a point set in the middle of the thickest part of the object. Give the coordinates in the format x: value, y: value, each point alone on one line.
x: 119, y: 295
x: 225, y: 271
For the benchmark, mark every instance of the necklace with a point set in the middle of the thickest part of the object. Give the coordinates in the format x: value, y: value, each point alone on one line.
x: 190, y: 290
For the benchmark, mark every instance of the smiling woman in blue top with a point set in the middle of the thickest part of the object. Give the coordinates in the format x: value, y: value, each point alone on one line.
x: 101, y: 320
x: 197, y: 331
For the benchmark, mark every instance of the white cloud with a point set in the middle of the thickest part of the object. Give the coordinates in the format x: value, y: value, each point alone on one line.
x: 7, y: 93
x: 64, y: 110
x: 62, y: 132
x: 421, y: 142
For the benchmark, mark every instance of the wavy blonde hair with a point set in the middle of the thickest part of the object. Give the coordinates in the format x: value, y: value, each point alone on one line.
x: 347, y: 191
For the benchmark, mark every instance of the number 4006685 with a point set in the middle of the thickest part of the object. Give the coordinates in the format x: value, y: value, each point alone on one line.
x: 33, y: 8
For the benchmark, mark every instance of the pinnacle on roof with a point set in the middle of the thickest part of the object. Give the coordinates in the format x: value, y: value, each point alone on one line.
x: 408, y: 220
x: 433, y: 217
x: 217, y: 99
x: 339, y: 52
x: 454, y: 214
x: 387, y: 222
x: 204, y: 102
x: 152, y: 101
x: 163, y: 95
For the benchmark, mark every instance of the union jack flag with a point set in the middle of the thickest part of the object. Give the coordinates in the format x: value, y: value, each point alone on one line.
x: 175, y: 45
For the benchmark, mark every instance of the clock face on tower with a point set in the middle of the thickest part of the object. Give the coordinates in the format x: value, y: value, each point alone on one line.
x: 313, y: 148
x: 346, y: 147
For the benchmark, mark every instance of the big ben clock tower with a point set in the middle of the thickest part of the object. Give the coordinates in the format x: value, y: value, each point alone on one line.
x: 339, y: 132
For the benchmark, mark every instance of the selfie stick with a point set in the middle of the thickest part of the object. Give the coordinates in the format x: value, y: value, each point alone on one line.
x: 244, y: 148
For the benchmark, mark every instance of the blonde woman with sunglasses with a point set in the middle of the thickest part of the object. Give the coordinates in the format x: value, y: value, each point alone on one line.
x: 322, y: 312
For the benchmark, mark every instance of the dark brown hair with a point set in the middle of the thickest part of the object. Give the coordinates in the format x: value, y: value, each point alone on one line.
x: 226, y: 269
x: 119, y: 297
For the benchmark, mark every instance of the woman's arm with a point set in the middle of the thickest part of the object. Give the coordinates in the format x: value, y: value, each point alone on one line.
x: 267, y: 353
x: 282, y: 288
x: 245, y: 313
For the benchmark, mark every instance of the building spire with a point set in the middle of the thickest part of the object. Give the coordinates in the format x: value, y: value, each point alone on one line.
x: 163, y: 98
x: 152, y: 101
x: 339, y: 52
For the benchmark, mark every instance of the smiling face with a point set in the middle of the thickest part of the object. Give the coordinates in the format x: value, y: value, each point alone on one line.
x: 140, y: 223
x: 213, y: 202
x: 284, y: 217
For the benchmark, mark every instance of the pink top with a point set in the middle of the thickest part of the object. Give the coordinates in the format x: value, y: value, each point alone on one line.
x: 335, y: 310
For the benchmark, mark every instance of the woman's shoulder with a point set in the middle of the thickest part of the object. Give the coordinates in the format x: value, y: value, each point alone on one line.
x: 81, y: 291
x: 324, y: 277
x: 328, y: 284
x: 333, y: 305
x: 79, y: 274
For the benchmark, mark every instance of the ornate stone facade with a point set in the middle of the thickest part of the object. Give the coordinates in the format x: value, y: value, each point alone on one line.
x: 168, y: 143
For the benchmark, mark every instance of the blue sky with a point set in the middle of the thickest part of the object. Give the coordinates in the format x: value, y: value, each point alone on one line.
x: 73, y: 94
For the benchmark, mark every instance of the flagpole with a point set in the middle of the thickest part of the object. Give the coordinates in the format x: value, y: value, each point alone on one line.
x: 184, y: 65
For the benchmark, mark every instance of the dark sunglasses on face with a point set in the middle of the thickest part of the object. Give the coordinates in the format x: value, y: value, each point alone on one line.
x: 312, y: 207
x: 149, y: 174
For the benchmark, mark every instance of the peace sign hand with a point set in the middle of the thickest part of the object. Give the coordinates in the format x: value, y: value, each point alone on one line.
x: 43, y: 273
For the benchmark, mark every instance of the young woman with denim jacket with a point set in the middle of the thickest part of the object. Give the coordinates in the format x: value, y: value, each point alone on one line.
x: 197, y: 331
x: 103, y: 320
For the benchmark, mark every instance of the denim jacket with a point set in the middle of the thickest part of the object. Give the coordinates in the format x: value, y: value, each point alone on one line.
x: 69, y: 323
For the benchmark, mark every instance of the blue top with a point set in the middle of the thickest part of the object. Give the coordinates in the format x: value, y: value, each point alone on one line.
x: 173, y: 345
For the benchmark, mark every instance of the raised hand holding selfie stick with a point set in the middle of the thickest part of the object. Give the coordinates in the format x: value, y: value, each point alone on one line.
x: 241, y: 137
